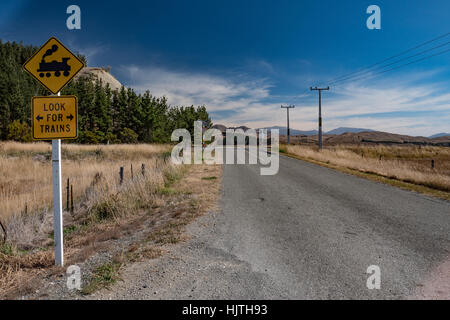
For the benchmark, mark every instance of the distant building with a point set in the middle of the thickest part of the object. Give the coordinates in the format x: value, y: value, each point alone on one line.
x: 223, y: 129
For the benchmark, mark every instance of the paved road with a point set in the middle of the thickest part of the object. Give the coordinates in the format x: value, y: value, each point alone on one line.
x: 307, y: 233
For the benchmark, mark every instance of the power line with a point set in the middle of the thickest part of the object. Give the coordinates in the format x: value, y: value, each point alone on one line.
x: 392, y: 63
x: 392, y: 57
x: 401, y: 66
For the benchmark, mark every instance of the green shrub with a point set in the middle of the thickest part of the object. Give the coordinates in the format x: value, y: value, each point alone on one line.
x: 111, y: 138
x: 19, y: 131
x: 7, y: 249
x: 171, y: 176
x: 89, y: 137
x: 103, y: 276
x: 128, y: 136
x: 105, y: 210
x: 209, y: 178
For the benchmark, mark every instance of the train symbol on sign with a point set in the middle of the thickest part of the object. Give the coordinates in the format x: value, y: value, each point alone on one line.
x: 45, y: 68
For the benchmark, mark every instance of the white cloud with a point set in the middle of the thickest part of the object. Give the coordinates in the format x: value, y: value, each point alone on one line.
x: 90, y: 52
x: 183, y: 88
x: 349, y: 105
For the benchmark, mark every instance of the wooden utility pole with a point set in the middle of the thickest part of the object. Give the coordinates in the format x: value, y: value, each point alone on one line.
x: 320, y: 112
x: 288, y: 129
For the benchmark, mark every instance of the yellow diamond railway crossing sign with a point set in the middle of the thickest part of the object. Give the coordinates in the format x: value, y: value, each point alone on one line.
x: 54, y: 117
x: 53, y: 65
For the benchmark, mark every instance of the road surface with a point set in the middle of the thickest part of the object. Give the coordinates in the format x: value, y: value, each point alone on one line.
x: 308, y: 232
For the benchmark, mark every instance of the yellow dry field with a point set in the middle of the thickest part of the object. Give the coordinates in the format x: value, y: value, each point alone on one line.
x: 26, y: 174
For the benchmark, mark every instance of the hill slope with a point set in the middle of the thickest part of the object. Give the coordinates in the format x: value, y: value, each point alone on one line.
x: 372, y: 137
x: 294, y: 132
x: 438, y: 135
x: 342, y: 130
x: 102, y: 74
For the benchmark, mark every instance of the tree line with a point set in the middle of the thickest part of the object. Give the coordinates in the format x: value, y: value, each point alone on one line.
x: 105, y: 115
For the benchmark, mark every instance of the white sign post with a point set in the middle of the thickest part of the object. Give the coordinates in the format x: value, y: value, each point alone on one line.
x: 57, y: 202
x: 54, y: 76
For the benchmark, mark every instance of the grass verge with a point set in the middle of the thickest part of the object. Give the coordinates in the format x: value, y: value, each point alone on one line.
x: 103, y: 276
x: 374, y: 177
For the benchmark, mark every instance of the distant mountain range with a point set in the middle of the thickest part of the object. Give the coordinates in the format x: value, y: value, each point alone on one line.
x: 437, y: 135
x: 342, y: 130
x: 338, y: 131
x: 294, y: 132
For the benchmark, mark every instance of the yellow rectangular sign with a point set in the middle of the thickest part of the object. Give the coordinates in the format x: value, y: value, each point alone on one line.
x: 53, y: 65
x: 54, y: 117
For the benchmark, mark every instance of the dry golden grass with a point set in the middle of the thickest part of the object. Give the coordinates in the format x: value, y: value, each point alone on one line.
x: 158, y: 205
x: 127, y: 150
x: 94, y: 172
x: 25, y: 170
x: 410, y: 164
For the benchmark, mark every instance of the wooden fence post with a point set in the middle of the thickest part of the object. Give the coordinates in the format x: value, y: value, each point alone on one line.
x: 71, y: 198
x: 5, y: 235
x: 143, y: 170
x: 121, y: 175
x: 68, y: 191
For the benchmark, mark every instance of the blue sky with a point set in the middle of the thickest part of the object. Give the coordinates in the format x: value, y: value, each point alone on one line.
x: 242, y: 59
